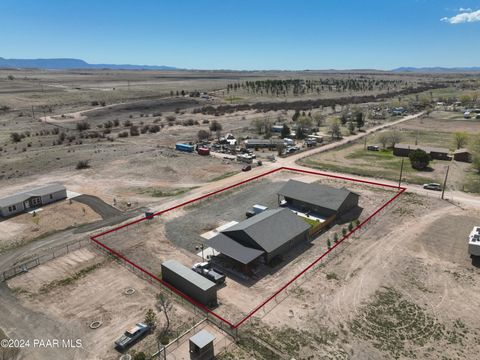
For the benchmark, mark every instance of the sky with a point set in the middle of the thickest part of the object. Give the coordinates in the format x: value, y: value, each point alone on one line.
x: 246, y: 34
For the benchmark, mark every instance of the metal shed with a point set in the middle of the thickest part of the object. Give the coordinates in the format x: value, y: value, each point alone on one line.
x: 201, y: 346
x: 190, y: 283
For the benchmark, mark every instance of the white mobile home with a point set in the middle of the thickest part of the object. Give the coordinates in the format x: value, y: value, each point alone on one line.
x: 30, y: 199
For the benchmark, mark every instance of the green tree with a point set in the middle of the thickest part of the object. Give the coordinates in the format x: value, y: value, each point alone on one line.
x: 334, y: 130
x: 329, y: 244
x: 139, y: 356
x: 351, y: 127
x: 285, y: 131
x: 150, y: 318
x: 419, y: 159
x: 215, y: 126
x: 460, y: 139
x: 360, y: 120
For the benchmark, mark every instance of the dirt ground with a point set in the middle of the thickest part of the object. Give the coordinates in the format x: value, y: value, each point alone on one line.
x: 50, y: 218
x: 57, y: 290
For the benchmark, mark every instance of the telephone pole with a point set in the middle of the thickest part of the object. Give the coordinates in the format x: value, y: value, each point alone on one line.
x: 401, y: 173
x: 445, y: 181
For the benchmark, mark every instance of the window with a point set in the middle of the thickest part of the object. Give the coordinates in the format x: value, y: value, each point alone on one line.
x: 9, y: 209
x: 51, y: 197
x: 14, y: 207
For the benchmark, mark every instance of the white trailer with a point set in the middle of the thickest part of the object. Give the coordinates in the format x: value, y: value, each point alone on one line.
x: 474, y: 242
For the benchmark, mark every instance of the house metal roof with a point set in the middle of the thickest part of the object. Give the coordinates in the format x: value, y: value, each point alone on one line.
x: 462, y: 151
x: 233, y: 249
x: 271, y: 228
x: 315, y: 194
x: 427, y: 149
x: 25, y: 195
x: 202, y: 338
x: 188, y: 274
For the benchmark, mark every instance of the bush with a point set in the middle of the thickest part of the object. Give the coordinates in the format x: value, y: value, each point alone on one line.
x: 419, y: 159
x: 83, y: 164
x: 140, y: 356
x: 81, y: 126
x: 116, y: 122
x: 16, y: 137
x: 154, y: 129
x: 123, y: 134
x: 127, y: 123
x: 134, y: 131
x: 215, y: 126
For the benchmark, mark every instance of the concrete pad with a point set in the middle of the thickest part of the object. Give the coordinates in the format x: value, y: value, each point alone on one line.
x: 212, y: 233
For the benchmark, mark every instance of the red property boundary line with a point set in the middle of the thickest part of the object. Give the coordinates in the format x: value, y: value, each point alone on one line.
x: 115, y: 253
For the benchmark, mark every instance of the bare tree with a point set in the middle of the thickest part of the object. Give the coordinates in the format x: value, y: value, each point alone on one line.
x: 383, y: 139
x: 460, y: 139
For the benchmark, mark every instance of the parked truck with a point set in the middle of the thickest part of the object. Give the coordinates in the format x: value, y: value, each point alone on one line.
x: 206, y: 270
x: 474, y: 242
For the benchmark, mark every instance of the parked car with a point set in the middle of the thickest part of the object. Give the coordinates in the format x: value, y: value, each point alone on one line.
x: 432, y: 186
x: 373, y: 148
x: 247, y: 168
x: 206, y: 270
x: 131, y: 336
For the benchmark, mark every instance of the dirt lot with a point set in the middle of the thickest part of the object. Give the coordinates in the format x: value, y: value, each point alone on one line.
x: 23, y: 228
x: 150, y: 243
x: 83, y: 287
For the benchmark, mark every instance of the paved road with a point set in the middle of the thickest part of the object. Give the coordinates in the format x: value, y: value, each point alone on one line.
x: 106, y: 211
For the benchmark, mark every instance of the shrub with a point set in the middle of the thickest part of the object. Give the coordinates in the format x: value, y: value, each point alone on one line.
x: 134, y: 131
x: 154, y: 129
x: 123, y: 134
x: 116, y: 122
x: 127, y: 123
x: 81, y: 126
x: 83, y: 164
x: 16, y: 137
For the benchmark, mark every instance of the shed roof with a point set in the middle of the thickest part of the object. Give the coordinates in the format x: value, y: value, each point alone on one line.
x: 315, y: 194
x: 188, y: 274
x: 26, y: 194
x: 233, y: 249
x: 271, y: 228
x: 202, y: 338
x: 462, y: 151
x: 427, y: 149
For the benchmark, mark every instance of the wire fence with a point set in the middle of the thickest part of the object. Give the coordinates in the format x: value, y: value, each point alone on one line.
x: 34, y: 262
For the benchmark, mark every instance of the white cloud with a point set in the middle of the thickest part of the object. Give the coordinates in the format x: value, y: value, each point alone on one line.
x: 465, y: 9
x: 464, y: 17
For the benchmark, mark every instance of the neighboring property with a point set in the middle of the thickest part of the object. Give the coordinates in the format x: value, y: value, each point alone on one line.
x: 187, y: 281
x: 462, y: 155
x: 269, y: 234
x: 321, y: 200
x: 263, y: 143
x: 30, y: 199
x: 434, y: 152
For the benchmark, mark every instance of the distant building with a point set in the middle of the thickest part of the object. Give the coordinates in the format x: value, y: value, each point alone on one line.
x: 277, y: 128
x: 269, y: 234
x: 263, y: 143
x: 434, y: 152
x: 30, y: 199
x: 462, y: 155
x: 322, y: 200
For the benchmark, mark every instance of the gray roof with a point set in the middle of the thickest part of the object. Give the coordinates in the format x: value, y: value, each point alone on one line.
x: 202, y: 338
x: 26, y: 194
x: 462, y: 151
x: 271, y: 228
x: 427, y: 149
x: 315, y: 194
x: 233, y: 249
x: 188, y: 274
x: 263, y: 141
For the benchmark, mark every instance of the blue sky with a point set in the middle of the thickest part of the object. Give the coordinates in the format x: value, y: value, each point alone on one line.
x: 246, y: 34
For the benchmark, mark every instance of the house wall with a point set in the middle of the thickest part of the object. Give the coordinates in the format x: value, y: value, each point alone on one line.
x: 462, y: 157
x: 350, y: 202
x: 59, y: 195
x: 4, y: 211
x: 300, y: 205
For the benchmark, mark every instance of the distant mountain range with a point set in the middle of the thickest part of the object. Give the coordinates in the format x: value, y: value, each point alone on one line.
x: 63, y: 64
x: 437, y: 69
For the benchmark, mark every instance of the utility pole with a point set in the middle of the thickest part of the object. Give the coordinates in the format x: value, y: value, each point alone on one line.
x: 445, y: 181
x: 401, y: 173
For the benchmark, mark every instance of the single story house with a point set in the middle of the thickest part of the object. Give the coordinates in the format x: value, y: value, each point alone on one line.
x: 462, y: 155
x: 434, y: 152
x: 322, y: 200
x: 30, y: 199
x: 268, y: 234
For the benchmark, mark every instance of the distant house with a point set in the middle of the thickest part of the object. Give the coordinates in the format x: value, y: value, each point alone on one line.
x: 462, y: 155
x: 31, y: 199
x: 268, y: 234
x: 434, y: 152
x: 277, y: 128
x: 322, y: 200
x: 399, y: 110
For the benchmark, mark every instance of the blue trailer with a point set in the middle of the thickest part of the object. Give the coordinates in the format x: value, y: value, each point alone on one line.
x: 184, y: 147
